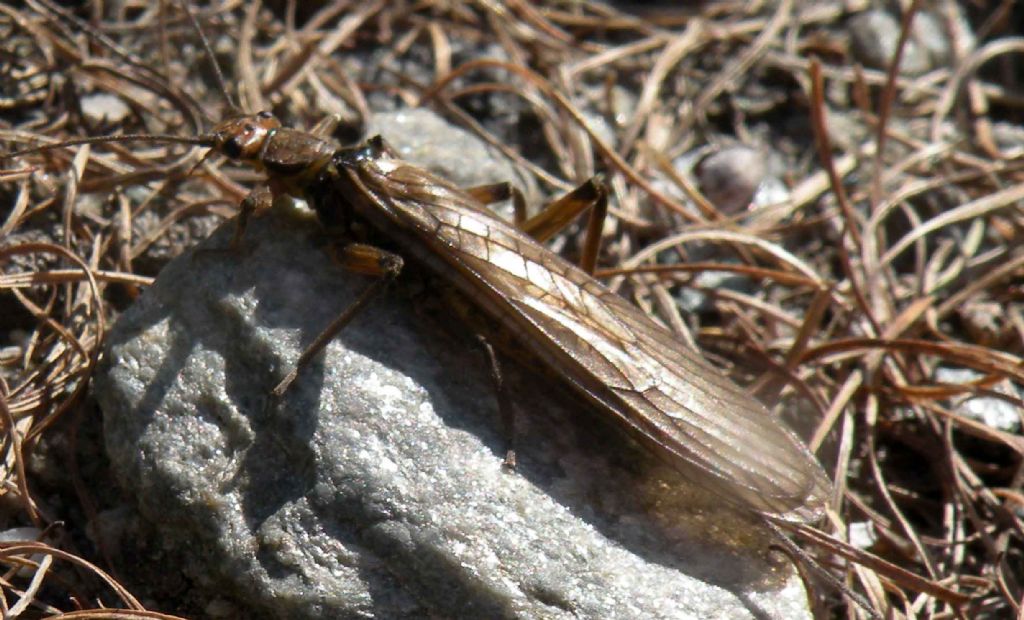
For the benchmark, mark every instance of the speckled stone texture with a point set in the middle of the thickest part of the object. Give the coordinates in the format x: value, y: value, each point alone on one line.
x: 375, y: 488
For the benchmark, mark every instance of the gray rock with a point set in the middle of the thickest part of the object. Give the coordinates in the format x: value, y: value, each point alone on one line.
x: 873, y: 38
x: 997, y: 413
x: 375, y: 487
x: 930, y: 33
x: 104, y: 108
x: 694, y: 299
x: 771, y: 191
x: 731, y: 176
x: 424, y: 138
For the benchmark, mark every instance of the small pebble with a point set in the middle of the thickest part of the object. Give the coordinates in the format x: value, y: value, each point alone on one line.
x: 993, y: 412
x: 729, y: 178
x: 928, y: 31
x: 862, y: 535
x: 104, y: 108
x: 873, y: 38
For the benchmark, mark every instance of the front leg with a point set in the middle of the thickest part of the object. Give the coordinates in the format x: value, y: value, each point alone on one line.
x: 258, y: 199
x: 325, y: 128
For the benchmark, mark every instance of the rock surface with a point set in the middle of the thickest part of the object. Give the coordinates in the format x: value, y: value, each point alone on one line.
x: 419, y: 135
x: 375, y: 487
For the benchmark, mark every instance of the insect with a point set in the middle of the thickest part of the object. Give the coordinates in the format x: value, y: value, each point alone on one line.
x: 627, y: 366
x: 624, y: 364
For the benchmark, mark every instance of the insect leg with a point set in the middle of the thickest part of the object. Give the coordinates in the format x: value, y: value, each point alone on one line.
x: 595, y: 224
x: 360, y: 258
x: 499, y: 192
x: 508, y: 414
x: 559, y: 213
x: 325, y: 128
x: 556, y: 215
x: 259, y: 198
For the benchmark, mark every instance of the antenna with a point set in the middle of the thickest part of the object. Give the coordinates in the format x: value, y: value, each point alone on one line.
x: 202, y: 140
x: 221, y: 83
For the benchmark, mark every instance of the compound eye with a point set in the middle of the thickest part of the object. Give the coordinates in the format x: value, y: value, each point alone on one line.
x: 232, y: 148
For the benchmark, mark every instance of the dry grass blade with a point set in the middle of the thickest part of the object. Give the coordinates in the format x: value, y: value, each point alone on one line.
x: 11, y: 551
x: 604, y: 149
x: 900, y: 577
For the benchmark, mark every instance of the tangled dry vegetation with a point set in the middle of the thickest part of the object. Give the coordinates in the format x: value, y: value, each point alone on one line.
x: 886, y: 296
